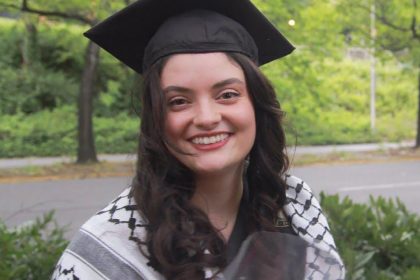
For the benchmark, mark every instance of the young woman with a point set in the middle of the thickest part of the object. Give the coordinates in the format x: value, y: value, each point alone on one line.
x: 212, y: 157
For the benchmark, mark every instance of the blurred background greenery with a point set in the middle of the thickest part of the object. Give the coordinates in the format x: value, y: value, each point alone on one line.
x: 324, y: 87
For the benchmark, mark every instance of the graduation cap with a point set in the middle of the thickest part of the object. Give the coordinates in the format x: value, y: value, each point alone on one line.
x: 147, y: 30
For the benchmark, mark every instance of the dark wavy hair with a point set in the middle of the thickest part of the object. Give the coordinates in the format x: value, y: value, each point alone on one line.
x: 177, y: 232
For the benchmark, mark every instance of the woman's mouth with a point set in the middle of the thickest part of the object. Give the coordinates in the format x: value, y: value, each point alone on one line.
x: 212, y: 142
x: 210, y: 139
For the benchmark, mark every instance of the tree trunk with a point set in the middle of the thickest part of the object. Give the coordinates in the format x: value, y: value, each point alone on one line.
x: 86, y: 149
x: 418, y: 110
x: 30, y: 44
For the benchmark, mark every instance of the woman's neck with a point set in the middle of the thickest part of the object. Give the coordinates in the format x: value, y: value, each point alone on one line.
x: 219, y: 196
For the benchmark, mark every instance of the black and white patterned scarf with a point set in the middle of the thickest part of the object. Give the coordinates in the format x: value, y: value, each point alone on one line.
x: 106, y: 245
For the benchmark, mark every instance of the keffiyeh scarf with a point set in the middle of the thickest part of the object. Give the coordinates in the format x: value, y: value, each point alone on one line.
x: 106, y: 247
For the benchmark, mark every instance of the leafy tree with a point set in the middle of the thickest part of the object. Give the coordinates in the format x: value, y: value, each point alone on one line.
x: 397, y: 31
x: 87, y: 13
x: 322, y: 31
x: 314, y: 27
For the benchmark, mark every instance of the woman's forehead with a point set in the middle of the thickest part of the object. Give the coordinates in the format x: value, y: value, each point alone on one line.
x: 201, y: 68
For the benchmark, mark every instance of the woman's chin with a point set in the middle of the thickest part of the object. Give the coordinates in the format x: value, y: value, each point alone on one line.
x: 213, y: 169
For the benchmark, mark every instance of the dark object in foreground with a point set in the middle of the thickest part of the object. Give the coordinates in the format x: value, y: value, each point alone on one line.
x: 276, y: 256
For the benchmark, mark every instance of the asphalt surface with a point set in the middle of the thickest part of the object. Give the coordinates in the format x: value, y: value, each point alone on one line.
x: 390, y: 179
x: 75, y: 201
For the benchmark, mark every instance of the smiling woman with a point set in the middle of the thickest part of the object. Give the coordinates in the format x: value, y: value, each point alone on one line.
x: 213, y: 127
x: 211, y: 119
x: 212, y: 164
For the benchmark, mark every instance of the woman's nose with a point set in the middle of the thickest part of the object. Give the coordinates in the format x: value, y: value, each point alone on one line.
x: 207, y: 116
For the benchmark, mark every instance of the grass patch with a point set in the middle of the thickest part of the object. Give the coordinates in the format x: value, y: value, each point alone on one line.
x: 67, y: 171
x: 381, y: 155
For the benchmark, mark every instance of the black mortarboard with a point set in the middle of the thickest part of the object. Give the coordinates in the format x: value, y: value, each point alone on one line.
x: 147, y: 30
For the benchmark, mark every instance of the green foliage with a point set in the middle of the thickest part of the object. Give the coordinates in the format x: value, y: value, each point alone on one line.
x: 380, y: 240
x: 61, y: 47
x: 327, y: 101
x: 53, y: 76
x: 120, y: 90
x: 88, y: 10
x: 32, y: 250
x: 24, y: 91
x: 395, y: 26
x: 52, y: 133
x: 315, y: 31
x: 11, y: 38
x: 325, y: 95
x: 45, y: 133
x: 118, y: 134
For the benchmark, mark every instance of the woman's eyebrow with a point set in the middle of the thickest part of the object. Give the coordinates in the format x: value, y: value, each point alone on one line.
x: 215, y: 86
x: 177, y: 89
x: 227, y: 82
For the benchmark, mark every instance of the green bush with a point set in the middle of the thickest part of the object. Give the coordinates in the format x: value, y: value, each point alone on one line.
x: 117, y: 134
x: 379, y: 240
x: 62, y: 47
x: 45, y: 133
x: 52, y: 77
x: 11, y: 37
x: 31, y: 251
x: 327, y: 101
x: 54, y: 133
x: 29, y: 91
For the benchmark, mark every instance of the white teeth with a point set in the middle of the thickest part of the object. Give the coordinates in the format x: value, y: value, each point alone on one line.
x: 210, y: 140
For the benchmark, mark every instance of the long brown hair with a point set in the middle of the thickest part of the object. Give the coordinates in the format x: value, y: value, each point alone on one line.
x: 178, y: 233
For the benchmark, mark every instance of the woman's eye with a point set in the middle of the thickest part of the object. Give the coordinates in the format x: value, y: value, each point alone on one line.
x: 177, y: 102
x: 229, y: 95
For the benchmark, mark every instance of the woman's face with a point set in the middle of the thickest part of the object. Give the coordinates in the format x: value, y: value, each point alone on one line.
x: 209, y: 112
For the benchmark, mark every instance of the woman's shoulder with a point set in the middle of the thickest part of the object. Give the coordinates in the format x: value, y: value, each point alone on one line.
x: 304, y: 210
x: 120, y: 217
x: 106, y: 246
x: 309, y: 222
x: 298, y: 191
x: 295, y: 183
